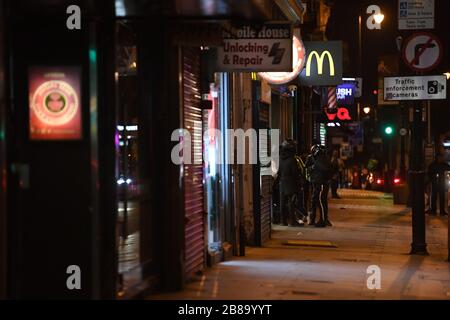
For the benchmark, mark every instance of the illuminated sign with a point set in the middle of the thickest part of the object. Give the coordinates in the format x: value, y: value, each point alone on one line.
x: 323, y: 63
x: 342, y: 93
x: 345, y: 93
x: 298, y: 61
x: 342, y: 114
x: 323, y: 134
x: 54, y: 103
x: 319, y: 60
x: 248, y: 48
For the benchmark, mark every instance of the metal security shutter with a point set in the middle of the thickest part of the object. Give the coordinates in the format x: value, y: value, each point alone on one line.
x: 193, y: 173
x: 265, y: 174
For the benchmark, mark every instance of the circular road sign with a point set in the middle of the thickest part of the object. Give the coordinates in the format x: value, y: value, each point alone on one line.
x: 422, y: 51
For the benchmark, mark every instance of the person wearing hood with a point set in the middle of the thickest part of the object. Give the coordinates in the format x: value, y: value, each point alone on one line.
x: 320, y: 170
x: 289, y: 179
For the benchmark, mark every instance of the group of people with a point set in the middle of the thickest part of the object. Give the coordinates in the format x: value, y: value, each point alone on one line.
x: 295, y: 178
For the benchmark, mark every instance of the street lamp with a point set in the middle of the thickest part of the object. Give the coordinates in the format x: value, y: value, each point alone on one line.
x: 373, y: 22
x: 447, y: 75
x: 366, y: 110
x: 378, y: 18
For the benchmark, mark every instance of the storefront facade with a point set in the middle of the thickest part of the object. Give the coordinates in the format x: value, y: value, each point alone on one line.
x: 105, y: 195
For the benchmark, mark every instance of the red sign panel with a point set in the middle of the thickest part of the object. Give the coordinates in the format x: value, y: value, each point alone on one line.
x: 342, y: 114
x: 55, y: 103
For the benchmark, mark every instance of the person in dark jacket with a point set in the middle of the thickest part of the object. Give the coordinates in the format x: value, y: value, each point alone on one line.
x: 335, y: 179
x: 320, y: 170
x: 288, y: 176
x: 436, y: 175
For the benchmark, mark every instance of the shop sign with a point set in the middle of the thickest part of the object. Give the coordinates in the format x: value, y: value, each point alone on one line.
x: 256, y: 49
x: 342, y: 114
x: 345, y: 93
x: 54, y: 103
x: 357, y: 85
x: 415, y: 88
x: 298, y: 61
x: 323, y: 63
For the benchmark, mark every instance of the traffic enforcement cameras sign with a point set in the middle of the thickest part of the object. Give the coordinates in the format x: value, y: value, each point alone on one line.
x: 415, y: 88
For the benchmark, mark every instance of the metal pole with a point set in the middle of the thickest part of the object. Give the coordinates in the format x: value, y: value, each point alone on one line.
x: 428, y: 122
x: 417, y: 185
x: 402, y: 146
x: 359, y: 46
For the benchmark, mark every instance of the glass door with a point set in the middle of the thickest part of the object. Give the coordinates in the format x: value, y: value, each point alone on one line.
x: 128, y: 151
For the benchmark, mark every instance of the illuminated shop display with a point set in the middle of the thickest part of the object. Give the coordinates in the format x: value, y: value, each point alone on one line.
x: 54, y: 103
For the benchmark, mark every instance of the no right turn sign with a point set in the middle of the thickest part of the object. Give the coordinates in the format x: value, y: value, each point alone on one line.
x: 422, y: 51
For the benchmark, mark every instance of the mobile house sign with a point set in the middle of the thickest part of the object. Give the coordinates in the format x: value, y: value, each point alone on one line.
x: 256, y: 48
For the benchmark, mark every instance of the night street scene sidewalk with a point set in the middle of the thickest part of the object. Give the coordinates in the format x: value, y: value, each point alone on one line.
x: 368, y: 229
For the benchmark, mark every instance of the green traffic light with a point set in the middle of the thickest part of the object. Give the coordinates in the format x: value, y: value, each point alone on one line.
x: 388, y: 130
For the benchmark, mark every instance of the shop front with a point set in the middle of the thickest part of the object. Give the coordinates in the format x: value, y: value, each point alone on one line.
x: 59, y: 186
x: 86, y: 126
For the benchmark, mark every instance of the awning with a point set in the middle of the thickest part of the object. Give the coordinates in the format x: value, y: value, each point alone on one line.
x: 192, y: 9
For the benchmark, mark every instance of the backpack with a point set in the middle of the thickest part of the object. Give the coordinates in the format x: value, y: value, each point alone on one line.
x: 302, y: 168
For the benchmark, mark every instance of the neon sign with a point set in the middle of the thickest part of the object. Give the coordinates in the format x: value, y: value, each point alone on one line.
x: 319, y: 61
x: 298, y: 61
x: 345, y: 94
x: 342, y: 114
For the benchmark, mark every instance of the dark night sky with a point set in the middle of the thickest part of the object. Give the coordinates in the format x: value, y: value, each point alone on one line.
x: 343, y: 25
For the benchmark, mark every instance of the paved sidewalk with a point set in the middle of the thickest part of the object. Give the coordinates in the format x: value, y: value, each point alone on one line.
x: 368, y: 230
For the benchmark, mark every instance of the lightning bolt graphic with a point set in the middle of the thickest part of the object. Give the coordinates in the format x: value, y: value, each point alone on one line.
x: 276, y: 53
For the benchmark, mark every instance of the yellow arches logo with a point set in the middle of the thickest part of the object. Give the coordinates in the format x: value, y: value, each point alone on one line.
x: 319, y: 60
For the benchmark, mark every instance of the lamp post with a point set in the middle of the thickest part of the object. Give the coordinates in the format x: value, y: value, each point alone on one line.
x: 417, y: 190
x: 373, y: 22
x: 359, y: 46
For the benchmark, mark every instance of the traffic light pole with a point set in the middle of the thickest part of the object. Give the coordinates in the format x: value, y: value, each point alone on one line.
x: 417, y: 184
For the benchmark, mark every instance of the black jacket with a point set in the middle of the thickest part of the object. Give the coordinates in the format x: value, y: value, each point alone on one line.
x: 437, y: 169
x: 288, y: 173
x: 320, y: 168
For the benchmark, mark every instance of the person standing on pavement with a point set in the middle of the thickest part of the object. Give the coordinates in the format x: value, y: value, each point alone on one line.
x: 320, y: 168
x: 436, y: 175
x: 289, y: 180
x: 335, y: 179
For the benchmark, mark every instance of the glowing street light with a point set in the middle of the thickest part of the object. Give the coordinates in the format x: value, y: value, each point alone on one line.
x: 378, y: 18
x: 447, y: 74
x: 366, y: 110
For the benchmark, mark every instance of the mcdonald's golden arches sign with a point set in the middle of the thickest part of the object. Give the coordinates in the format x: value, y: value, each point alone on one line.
x: 323, y: 65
